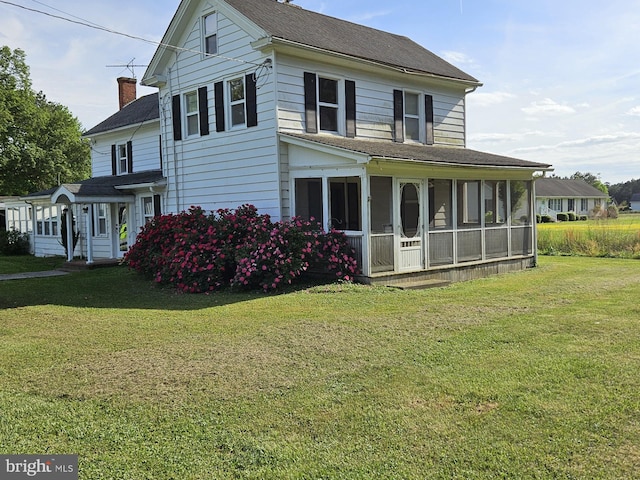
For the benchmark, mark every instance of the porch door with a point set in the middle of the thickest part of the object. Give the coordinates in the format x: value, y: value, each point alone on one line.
x: 120, y: 230
x: 410, y: 228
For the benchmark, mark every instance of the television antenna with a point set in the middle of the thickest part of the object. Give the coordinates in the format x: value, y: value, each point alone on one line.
x: 129, y: 66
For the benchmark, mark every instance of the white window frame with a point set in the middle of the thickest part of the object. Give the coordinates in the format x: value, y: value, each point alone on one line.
x: 419, y: 117
x: 47, y: 221
x: 235, y: 103
x: 584, y: 204
x: 553, y: 203
x: 191, y: 114
x: 123, y: 159
x: 339, y: 106
x: 207, y: 34
x: 100, y: 219
x: 146, y: 216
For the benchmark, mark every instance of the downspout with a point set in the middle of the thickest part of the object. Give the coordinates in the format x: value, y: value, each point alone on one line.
x: 464, y: 127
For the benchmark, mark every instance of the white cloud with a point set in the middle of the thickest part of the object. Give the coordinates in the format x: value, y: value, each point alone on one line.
x: 506, y: 137
x: 581, y: 143
x: 547, y: 107
x: 366, y: 16
x: 488, y: 99
x: 457, y: 58
x: 635, y: 111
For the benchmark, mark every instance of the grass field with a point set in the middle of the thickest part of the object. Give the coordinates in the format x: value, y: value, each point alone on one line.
x: 525, y: 375
x: 619, y: 238
x: 28, y: 263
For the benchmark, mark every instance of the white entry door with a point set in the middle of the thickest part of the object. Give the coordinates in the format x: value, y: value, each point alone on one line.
x: 410, y: 229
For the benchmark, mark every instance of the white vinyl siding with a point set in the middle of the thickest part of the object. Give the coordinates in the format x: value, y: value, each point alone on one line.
x: 229, y: 168
x: 374, y: 102
x: 146, y: 149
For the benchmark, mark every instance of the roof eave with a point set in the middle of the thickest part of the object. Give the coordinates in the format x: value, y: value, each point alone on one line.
x: 274, y: 42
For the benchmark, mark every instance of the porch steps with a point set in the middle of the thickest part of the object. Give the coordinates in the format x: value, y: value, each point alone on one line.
x: 418, y: 284
x: 80, y: 265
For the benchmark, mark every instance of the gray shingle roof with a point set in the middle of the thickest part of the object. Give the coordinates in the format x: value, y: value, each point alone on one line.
x: 558, y: 187
x: 421, y: 153
x: 106, y: 185
x: 140, y: 110
x: 292, y: 23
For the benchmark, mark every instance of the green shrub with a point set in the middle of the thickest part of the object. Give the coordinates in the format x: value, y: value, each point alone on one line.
x: 583, y: 218
x: 572, y: 216
x: 13, y: 242
x: 563, y: 217
x: 547, y: 219
x: 538, y: 218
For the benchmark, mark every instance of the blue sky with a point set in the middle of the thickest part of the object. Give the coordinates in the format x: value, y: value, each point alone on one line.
x: 561, y: 79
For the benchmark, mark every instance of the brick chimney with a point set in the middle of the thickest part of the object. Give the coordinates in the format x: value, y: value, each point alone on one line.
x: 126, y: 91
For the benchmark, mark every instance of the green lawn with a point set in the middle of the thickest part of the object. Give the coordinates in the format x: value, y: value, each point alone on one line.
x: 525, y: 375
x: 28, y: 263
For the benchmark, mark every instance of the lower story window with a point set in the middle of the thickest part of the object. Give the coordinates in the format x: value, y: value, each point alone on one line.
x: 309, y: 199
x: 555, y: 204
x: 345, y: 203
x: 151, y: 207
x: 100, y: 219
x: 47, y: 221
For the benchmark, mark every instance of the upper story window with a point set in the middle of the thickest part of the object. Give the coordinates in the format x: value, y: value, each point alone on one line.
x: 413, y: 117
x: 237, y: 102
x: 191, y: 108
x: 122, y: 158
x: 328, y: 105
x: 210, y: 24
x: 192, y: 113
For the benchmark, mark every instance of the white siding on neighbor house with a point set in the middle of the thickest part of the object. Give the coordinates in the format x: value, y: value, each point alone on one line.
x: 222, y: 169
x: 374, y: 101
x: 145, y: 145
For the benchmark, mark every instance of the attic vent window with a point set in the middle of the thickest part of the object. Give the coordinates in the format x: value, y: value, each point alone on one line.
x: 211, y: 33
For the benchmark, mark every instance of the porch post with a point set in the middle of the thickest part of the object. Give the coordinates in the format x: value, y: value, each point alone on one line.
x: 89, y: 217
x: 68, y: 226
x: 365, y: 215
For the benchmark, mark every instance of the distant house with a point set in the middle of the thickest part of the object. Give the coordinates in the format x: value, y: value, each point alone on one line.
x: 301, y: 114
x: 634, y: 203
x: 556, y: 195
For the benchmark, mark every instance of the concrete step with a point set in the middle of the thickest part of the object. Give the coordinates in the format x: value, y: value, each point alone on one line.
x: 418, y: 284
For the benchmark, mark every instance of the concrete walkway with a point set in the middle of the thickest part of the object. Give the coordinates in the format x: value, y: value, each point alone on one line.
x: 23, y: 275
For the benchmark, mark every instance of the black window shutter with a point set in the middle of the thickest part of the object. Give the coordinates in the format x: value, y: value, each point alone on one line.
x: 203, y: 106
x: 160, y: 149
x: 157, y: 210
x: 252, y: 100
x: 114, y: 161
x: 350, y: 107
x: 130, y: 156
x: 310, y: 103
x: 177, y: 114
x: 398, y: 116
x: 218, y: 91
x: 428, y: 109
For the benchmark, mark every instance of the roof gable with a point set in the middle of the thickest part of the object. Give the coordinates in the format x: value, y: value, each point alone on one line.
x: 296, y: 26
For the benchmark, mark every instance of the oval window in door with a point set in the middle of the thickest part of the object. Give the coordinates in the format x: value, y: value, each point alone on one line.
x: 410, y: 210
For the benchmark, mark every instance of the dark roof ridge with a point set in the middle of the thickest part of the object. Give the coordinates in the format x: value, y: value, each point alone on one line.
x: 140, y: 110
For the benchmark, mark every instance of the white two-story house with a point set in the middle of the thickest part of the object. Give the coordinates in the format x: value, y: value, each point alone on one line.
x: 301, y: 114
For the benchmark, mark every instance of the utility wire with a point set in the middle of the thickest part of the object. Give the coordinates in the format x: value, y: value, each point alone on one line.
x: 86, y: 23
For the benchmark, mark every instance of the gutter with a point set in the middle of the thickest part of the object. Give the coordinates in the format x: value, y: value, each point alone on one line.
x: 274, y: 41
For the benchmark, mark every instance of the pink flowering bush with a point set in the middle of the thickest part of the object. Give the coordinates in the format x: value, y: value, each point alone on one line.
x: 199, y: 252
